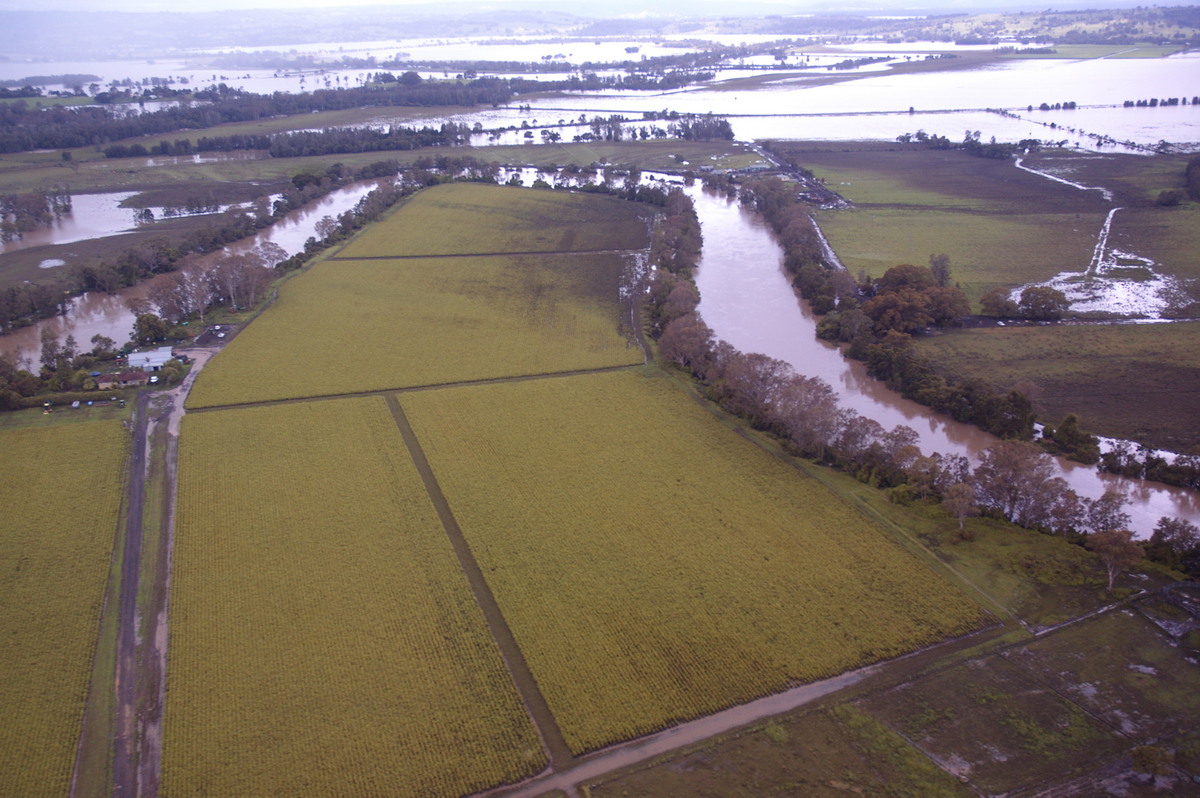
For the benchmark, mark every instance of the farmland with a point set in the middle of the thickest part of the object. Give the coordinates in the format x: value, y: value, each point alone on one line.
x: 62, y: 497
x: 1000, y: 226
x: 324, y: 641
x: 470, y: 219
x: 1138, y: 382
x: 689, y: 570
x: 422, y: 321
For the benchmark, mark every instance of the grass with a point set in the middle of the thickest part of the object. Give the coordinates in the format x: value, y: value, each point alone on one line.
x: 62, y: 493
x: 989, y: 722
x: 323, y: 639
x: 705, y: 571
x: 999, y: 225
x: 1121, y: 668
x: 1137, y: 382
x: 823, y: 754
x: 437, y: 320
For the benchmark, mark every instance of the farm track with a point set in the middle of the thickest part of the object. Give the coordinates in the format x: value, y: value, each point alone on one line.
x: 558, y: 751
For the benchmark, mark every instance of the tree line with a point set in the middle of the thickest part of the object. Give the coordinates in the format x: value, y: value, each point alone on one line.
x: 1014, y: 479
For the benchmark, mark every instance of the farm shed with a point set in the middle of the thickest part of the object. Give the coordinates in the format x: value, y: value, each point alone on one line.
x: 153, y: 360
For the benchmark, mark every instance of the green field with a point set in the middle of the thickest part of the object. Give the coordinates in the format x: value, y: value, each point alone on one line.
x: 1134, y: 381
x: 653, y: 566
x: 349, y: 326
x: 474, y: 219
x: 62, y: 498
x: 323, y: 639
x: 999, y: 225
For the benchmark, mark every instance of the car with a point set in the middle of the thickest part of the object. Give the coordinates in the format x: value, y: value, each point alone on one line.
x: 220, y: 335
x: 153, y: 379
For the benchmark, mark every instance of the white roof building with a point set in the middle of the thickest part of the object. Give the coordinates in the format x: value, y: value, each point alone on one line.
x: 153, y: 360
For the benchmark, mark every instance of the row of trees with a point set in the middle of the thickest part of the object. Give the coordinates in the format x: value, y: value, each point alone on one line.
x: 28, y: 302
x: 1014, y: 480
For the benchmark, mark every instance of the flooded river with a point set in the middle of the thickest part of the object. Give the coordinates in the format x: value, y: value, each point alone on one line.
x: 109, y: 314
x: 747, y: 299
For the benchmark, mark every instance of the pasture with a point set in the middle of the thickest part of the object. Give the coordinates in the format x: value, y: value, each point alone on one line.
x: 1001, y: 227
x: 1134, y: 381
x: 323, y: 639
x: 62, y: 500
x: 654, y: 566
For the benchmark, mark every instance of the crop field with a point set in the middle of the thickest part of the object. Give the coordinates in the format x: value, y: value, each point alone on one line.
x: 1138, y: 382
x: 61, y: 498
x: 471, y: 219
x: 995, y: 724
x: 350, y: 326
x: 653, y: 565
x: 323, y: 638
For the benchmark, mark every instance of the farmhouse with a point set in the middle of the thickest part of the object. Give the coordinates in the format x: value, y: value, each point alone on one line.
x: 153, y: 360
x: 124, y: 379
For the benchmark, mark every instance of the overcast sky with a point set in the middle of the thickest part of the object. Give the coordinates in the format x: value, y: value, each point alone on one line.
x: 586, y: 8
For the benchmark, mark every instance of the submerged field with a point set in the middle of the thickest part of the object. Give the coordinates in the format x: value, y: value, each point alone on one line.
x: 62, y: 498
x: 323, y: 638
x: 655, y: 567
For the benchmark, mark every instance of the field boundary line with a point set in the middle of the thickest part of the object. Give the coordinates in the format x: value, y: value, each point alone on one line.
x: 555, y: 745
x: 556, y: 253
x: 414, y: 388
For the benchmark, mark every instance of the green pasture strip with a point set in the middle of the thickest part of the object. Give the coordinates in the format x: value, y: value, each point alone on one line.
x: 323, y: 639
x: 91, y: 171
x: 986, y: 251
x: 991, y: 721
x: 1134, y: 381
x: 1089, y: 51
x: 470, y: 218
x: 654, y: 566
x: 357, y: 326
x: 61, y: 497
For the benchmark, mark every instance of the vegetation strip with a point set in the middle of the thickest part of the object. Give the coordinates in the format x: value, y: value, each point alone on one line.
x: 539, y: 711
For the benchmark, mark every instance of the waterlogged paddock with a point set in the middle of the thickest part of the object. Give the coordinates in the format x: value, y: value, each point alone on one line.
x: 653, y: 565
x: 323, y: 638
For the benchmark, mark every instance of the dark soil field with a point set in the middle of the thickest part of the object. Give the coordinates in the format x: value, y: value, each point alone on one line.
x: 1133, y: 381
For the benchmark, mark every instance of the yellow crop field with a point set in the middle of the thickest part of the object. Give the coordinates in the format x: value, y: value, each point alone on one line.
x: 60, y: 489
x: 323, y: 638
x: 473, y: 218
x: 353, y: 326
x: 653, y: 565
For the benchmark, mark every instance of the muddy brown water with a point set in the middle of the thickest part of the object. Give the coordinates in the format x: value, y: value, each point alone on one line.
x: 747, y: 300
x: 109, y: 314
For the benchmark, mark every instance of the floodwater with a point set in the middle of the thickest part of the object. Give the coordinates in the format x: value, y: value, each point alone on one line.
x: 747, y: 300
x: 109, y: 314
